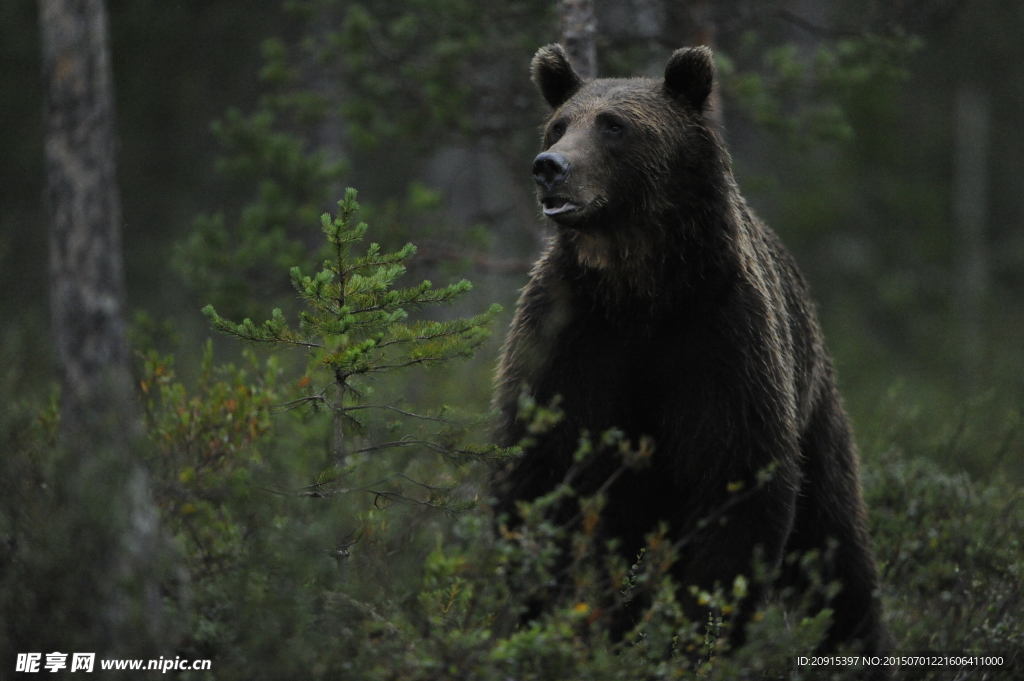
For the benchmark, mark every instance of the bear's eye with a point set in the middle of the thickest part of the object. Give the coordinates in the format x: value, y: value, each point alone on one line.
x: 557, y: 130
x: 612, y: 126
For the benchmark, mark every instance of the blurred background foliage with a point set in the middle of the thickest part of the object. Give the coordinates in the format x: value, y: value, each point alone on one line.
x: 240, y: 123
x: 853, y: 125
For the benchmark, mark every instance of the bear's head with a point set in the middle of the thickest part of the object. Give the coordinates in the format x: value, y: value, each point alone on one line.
x: 624, y: 151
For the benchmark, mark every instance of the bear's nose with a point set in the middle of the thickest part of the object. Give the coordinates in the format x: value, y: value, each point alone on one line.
x: 550, y: 170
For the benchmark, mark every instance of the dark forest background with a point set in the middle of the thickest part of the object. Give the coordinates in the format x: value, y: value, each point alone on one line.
x: 868, y: 209
x: 882, y: 141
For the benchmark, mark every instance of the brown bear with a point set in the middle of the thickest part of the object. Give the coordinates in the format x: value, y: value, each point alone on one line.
x: 665, y: 308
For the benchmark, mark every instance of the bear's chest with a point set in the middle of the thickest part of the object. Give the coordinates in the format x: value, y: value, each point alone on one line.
x: 626, y: 371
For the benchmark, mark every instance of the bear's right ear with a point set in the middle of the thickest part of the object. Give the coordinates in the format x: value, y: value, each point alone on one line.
x: 689, y: 74
x: 554, y: 76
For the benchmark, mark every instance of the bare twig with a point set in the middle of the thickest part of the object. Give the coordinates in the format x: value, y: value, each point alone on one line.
x: 293, y: 404
x: 400, y: 411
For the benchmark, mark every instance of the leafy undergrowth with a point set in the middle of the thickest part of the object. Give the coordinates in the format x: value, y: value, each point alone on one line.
x: 283, y: 584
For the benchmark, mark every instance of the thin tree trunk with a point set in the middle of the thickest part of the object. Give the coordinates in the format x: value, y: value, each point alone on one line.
x: 578, y: 26
x: 339, y: 422
x: 970, y: 189
x: 86, y: 278
x: 703, y: 19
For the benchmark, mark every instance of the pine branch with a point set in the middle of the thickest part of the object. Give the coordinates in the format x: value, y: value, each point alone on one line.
x: 355, y: 324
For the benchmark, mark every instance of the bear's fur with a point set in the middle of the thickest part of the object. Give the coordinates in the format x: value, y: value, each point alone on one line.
x: 665, y: 308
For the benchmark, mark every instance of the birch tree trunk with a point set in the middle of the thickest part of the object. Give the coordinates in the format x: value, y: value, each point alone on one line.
x: 108, y: 491
x: 86, y: 278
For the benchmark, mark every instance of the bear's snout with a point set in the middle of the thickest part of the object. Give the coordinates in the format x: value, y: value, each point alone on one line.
x: 550, y: 170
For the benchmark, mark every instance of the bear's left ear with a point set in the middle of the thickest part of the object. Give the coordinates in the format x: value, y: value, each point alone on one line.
x: 554, y: 76
x: 689, y: 74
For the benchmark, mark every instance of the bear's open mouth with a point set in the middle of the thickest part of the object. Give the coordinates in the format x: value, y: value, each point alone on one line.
x: 556, y: 205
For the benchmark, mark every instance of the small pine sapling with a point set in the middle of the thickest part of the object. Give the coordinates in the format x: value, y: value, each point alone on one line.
x: 355, y: 326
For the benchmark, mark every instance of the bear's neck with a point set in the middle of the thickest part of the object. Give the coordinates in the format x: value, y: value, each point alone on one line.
x: 641, y: 262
